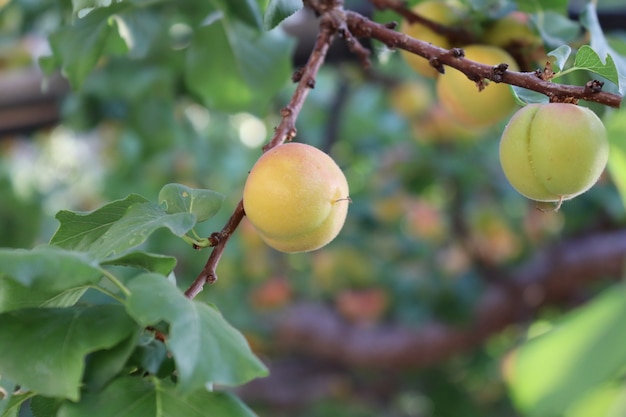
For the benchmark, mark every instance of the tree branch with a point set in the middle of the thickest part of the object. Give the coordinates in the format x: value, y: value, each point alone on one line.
x: 555, y: 274
x: 453, y: 33
x: 285, y: 131
x: 362, y: 27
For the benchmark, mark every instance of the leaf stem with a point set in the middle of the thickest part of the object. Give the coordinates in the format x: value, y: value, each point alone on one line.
x: 115, y: 281
x: 109, y: 293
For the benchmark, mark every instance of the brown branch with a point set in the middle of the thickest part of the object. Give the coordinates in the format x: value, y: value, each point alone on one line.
x: 209, y: 274
x: 362, y: 27
x: 555, y: 274
x: 285, y: 131
x: 454, y: 34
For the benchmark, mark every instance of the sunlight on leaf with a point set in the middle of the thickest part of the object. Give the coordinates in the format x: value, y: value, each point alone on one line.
x: 547, y: 372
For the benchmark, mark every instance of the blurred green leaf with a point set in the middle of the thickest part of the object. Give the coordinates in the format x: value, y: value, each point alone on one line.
x: 616, y: 129
x: 77, y: 48
x: 559, y: 6
x: 161, y: 264
x: 10, y: 407
x: 48, y: 268
x: 207, y: 349
x: 555, y: 29
x: 589, y: 19
x: 582, y: 351
x: 138, y: 397
x: 524, y: 96
x: 7, y: 387
x: 279, y: 10
x: 54, y: 343
x: 234, y: 68
x: 560, y: 54
x: 44, y: 406
x: 178, y: 198
x: 245, y: 10
x: 588, y: 59
x: 608, y: 400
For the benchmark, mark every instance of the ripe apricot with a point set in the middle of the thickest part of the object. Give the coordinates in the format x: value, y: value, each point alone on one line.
x: 462, y: 98
x: 296, y: 197
x: 553, y: 152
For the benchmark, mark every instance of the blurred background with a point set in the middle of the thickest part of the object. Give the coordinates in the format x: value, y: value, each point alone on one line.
x: 440, y: 272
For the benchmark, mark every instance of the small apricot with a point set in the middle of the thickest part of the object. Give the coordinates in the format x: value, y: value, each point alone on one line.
x: 468, y: 104
x: 553, y: 152
x: 296, y: 197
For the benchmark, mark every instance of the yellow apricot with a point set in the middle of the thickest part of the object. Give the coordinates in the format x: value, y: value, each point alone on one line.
x: 296, y: 197
x: 553, y: 152
x: 513, y: 29
x: 411, y: 98
x: 462, y: 98
x: 439, y: 12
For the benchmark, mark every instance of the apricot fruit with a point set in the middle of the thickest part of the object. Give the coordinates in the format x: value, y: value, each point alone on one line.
x: 296, y: 197
x: 553, y: 152
x: 439, y: 12
x: 411, y: 98
x: 468, y: 104
x: 512, y: 30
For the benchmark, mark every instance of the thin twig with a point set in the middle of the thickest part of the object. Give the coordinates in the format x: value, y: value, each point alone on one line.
x: 285, y: 131
x: 455, y: 34
x: 362, y: 27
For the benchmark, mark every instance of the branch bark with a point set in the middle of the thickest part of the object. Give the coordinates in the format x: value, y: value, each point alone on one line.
x: 554, y: 275
x: 285, y: 131
x: 438, y: 57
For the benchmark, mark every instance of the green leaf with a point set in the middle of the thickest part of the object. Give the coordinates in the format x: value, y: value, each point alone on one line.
x: 559, y: 6
x: 78, y: 48
x: 550, y: 370
x: 82, y: 7
x: 554, y: 28
x: 10, y: 407
x: 102, y: 366
x: 7, y: 405
x: 14, y: 295
x: 561, y: 54
x: 149, y: 354
x: 79, y: 230
x: 44, y: 406
x: 178, y: 198
x: 608, y: 400
x: 134, y: 228
x: 54, y: 343
x: 234, y: 68
x: 48, y: 268
x: 207, y: 349
x: 117, y: 227
x: 137, y: 397
x: 279, y: 10
x: 588, y: 59
x: 245, y: 10
x: 615, y: 124
x: 152, y: 262
x: 589, y: 19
